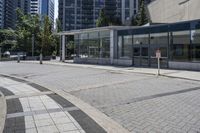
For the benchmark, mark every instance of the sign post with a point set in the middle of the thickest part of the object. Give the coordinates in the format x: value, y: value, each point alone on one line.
x: 158, y: 56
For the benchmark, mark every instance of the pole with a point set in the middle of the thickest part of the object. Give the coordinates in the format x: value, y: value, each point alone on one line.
x: 18, y: 58
x: 158, y: 66
x: 40, y: 58
x: 33, y: 44
x: 0, y: 53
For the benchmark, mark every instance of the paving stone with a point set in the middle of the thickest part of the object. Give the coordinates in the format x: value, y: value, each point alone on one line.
x: 47, y: 129
x: 66, y: 127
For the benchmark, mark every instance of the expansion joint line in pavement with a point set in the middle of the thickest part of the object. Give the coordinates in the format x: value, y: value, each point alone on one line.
x: 33, y: 108
x: 140, y: 99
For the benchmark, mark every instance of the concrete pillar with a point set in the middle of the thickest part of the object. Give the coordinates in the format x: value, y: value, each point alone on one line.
x: 63, y: 48
x: 112, y: 45
x: 123, y: 11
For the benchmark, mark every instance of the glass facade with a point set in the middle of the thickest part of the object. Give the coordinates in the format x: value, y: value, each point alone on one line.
x: 93, y: 45
x: 179, y: 42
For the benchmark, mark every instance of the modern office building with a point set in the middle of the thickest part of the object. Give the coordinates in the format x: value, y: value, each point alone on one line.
x: 82, y: 14
x: 35, y: 7
x: 129, y: 9
x: 9, y: 13
x: 43, y: 8
x: 179, y: 44
x: 170, y: 11
x: 1, y: 13
x: 24, y: 5
x: 47, y: 9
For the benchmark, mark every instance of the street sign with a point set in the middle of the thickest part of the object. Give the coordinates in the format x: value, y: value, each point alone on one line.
x: 158, y: 56
x: 158, y: 53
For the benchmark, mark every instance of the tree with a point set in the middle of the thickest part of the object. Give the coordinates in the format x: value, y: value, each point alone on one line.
x: 46, y: 38
x: 102, y: 20
x: 7, y: 40
x: 141, y: 17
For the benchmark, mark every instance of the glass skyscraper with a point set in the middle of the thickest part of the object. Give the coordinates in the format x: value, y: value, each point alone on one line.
x: 1, y: 13
x: 82, y: 14
x: 43, y: 8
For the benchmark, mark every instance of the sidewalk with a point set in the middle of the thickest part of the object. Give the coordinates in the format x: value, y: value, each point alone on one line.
x: 183, y: 74
x: 36, y: 109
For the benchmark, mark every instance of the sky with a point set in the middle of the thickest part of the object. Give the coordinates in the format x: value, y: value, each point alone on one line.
x: 56, y: 10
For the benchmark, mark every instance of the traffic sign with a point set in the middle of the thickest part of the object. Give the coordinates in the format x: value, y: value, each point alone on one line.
x: 158, y: 53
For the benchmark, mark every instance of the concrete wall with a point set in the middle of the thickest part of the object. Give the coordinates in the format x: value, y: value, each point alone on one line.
x: 102, y: 61
x: 169, y: 11
x: 123, y: 62
x: 184, y: 65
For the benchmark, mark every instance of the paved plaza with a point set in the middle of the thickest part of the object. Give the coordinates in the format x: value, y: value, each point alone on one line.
x: 138, y: 102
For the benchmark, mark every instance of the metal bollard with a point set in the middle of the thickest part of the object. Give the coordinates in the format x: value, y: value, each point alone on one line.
x: 40, y: 58
x: 18, y: 58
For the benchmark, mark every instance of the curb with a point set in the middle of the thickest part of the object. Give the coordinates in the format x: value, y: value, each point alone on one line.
x: 100, y: 118
x: 124, y: 71
x: 2, y: 112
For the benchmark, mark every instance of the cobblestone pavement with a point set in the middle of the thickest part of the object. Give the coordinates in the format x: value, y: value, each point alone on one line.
x: 139, y: 102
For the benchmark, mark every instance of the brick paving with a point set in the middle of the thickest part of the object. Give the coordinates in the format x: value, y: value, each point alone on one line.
x: 139, y: 102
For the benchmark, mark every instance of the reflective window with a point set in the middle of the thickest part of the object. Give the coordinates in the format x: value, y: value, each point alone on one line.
x: 141, y: 39
x: 180, y: 49
x: 93, y: 46
x: 125, y: 46
x: 195, y: 37
x: 159, y: 41
x: 105, y: 44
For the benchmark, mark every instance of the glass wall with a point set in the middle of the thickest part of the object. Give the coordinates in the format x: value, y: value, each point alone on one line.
x: 93, y: 44
x: 180, y: 46
x: 159, y: 41
x: 195, y: 38
x: 83, y: 48
x: 105, y: 44
x: 125, y: 46
x: 141, y: 50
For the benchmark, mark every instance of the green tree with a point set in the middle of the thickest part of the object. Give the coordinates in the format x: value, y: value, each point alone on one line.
x: 102, y: 20
x: 141, y: 18
x: 46, y: 47
x: 7, y: 40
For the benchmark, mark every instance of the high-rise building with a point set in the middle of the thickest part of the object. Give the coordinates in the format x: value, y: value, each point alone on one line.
x: 81, y: 14
x: 129, y: 9
x: 24, y: 5
x: 43, y: 8
x: 1, y: 13
x: 47, y: 9
x: 9, y: 13
x: 35, y: 7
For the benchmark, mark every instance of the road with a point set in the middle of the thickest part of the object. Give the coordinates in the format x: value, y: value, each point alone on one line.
x: 138, y: 102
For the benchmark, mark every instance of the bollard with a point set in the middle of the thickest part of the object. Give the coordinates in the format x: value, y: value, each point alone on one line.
x: 158, y: 67
x: 40, y: 58
x: 18, y: 58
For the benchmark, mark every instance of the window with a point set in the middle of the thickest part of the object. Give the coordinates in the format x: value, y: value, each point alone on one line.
x: 125, y: 46
x: 195, y: 38
x: 159, y: 41
x: 181, y: 48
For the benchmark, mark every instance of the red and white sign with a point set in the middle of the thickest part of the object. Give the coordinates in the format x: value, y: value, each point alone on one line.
x: 158, y: 53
